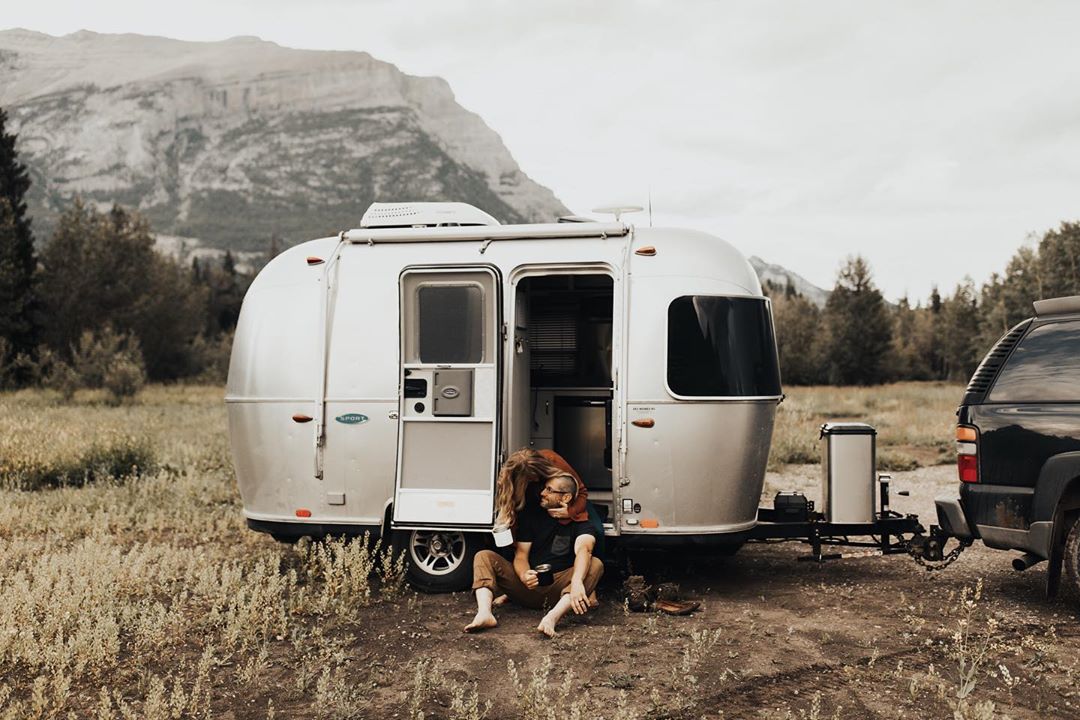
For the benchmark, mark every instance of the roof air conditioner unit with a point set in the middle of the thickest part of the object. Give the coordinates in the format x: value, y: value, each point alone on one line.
x: 424, y: 214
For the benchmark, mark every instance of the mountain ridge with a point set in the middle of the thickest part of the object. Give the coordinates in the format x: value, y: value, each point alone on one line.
x: 237, y: 141
x: 780, y: 277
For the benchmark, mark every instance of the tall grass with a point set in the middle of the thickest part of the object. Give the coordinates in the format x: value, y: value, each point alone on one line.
x: 915, y: 422
x: 145, y: 583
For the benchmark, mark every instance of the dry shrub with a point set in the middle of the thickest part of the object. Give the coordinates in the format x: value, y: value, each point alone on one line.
x: 124, y: 378
x: 117, y: 457
x: 538, y: 698
x: 339, y: 570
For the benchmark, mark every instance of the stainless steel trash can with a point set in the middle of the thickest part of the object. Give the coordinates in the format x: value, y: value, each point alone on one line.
x: 849, y: 464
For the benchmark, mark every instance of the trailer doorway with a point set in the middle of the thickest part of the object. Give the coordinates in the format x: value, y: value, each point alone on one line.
x: 562, y: 390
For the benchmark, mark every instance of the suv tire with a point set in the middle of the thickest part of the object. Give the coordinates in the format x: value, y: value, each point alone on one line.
x: 1072, y: 555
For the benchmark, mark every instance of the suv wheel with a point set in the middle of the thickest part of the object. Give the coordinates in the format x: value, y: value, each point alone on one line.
x: 1072, y: 555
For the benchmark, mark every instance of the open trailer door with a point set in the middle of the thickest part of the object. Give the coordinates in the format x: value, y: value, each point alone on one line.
x: 449, y: 397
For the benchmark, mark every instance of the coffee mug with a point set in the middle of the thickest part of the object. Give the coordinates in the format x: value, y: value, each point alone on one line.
x: 544, y: 574
x: 503, y: 535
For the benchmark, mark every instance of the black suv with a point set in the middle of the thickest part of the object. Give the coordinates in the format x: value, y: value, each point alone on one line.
x: 1018, y: 445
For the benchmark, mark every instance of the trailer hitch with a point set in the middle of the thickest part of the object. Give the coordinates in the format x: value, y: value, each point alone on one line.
x: 929, y: 550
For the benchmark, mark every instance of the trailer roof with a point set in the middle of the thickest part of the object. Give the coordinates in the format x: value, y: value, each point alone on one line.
x: 537, y: 231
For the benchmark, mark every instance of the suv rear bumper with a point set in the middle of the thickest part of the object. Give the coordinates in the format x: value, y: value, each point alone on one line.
x: 998, y: 515
x: 950, y: 516
x: 1036, y: 539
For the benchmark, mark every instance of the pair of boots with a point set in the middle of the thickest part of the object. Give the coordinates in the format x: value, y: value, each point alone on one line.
x: 642, y: 597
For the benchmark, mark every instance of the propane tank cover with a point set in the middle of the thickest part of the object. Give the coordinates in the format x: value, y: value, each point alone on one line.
x: 849, y: 467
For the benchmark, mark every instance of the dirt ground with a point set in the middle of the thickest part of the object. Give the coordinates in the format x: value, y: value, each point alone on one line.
x: 873, y: 637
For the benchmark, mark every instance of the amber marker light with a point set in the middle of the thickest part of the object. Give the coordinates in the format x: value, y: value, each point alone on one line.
x: 301, y: 418
x: 650, y: 523
x: 303, y: 512
x: 643, y: 423
x: 647, y: 251
x: 966, y: 434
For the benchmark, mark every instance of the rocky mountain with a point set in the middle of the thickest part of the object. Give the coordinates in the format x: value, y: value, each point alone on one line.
x: 229, y: 144
x: 780, y: 276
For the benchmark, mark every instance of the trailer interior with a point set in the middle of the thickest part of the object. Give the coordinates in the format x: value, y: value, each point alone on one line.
x: 563, y: 335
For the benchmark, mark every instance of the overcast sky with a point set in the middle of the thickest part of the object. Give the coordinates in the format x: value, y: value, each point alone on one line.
x: 933, y: 138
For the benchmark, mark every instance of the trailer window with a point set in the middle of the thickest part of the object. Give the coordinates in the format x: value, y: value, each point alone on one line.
x: 451, y: 323
x: 1045, y: 366
x: 721, y: 347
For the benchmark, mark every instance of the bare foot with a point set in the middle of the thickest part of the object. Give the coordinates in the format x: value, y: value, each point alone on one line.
x: 501, y: 600
x: 547, y: 627
x: 593, y: 601
x: 481, y: 622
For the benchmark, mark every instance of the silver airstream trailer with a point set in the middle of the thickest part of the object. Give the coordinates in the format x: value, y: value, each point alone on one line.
x: 379, y: 377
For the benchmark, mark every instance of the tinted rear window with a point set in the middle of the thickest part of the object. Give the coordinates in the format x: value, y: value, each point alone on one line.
x: 1044, y: 367
x: 721, y: 347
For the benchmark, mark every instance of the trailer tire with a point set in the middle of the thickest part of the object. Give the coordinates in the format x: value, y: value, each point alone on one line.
x: 1072, y: 555
x: 438, y: 560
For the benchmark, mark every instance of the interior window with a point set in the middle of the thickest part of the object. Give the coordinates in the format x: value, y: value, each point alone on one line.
x: 451, y: 323
x: 721, y: 347
x: 570, y: 330
x: 1045, y: 366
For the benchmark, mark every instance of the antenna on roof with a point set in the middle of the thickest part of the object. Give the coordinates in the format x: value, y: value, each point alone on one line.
x: 617, y: 210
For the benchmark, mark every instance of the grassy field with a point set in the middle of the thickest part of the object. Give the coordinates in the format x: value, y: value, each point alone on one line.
x: 144, y: 595
x: 130, y: 588
x: 916, y: 422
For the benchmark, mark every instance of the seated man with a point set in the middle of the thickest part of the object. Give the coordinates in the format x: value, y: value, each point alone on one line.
x: 540, y: 539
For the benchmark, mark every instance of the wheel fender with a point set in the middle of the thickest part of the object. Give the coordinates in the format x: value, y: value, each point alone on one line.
x: 1058, y: 486
x: 1057, y: 499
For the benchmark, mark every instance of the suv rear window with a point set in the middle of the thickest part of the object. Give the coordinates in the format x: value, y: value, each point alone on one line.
x: 721, y: 347
x: 1044, y: 367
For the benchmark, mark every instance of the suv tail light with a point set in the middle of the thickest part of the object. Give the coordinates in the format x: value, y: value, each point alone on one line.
x: 967, y: 453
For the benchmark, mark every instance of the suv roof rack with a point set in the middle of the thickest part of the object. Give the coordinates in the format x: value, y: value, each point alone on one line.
x: 1057, y: 306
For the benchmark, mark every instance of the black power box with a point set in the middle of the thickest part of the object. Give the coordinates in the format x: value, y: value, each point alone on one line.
x: 792, y: 507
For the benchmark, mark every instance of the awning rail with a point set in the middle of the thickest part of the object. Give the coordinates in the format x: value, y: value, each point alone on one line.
x: 486, y: 233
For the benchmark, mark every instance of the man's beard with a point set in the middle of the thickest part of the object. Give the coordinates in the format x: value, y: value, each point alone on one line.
x: 549, y: 504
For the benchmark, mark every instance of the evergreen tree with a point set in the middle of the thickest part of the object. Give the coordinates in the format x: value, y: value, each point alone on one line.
x: 908, y: 362
x: 226, y: 286
x: 1006, y: 299
x: 18, y: 262
x: 858, y: 328
x: 960, y: 320
x: 798, y: 340
x: 1059, y: 261
x: 102, y: 268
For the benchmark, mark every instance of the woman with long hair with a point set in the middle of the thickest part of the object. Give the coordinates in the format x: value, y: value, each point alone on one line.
x: 520, y: 480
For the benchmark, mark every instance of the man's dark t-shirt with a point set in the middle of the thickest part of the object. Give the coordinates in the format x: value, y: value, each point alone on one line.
x: 552, y: 542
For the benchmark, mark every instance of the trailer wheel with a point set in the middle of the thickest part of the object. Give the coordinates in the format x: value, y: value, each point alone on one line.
x: 438, y: 560
x: 1072, y: 555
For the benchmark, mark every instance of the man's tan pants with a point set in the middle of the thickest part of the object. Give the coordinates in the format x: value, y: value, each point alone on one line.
x: 496, y: 573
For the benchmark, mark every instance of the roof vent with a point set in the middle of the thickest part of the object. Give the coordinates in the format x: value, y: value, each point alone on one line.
x: 424, y: 214
x: 1057, y: 306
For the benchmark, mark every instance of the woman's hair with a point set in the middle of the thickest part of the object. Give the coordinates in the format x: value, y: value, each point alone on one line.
x: 521, y: 468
